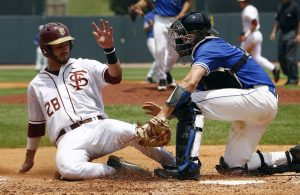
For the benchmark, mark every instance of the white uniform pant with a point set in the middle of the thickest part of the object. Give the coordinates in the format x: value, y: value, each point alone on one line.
x: 153, y: 69
x: 255, y: 38
x: 250, y: 111
x: 77, y: 148
x: 165, y: 55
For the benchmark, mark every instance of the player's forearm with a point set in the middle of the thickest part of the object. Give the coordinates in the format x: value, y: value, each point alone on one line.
x: 186, y: 6
x: 275, y: 28
x: 141, y: 4
x: 165, y: 112
x: 114, y: 65
x: 30, y: 154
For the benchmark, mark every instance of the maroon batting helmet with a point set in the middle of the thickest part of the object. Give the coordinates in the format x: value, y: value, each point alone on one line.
x: 53, y: 34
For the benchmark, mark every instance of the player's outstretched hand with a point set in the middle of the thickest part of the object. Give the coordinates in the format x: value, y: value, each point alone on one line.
x: 103, y: 34
x: 25, y: 167
x: 29, y: 161
x: 151, y: 108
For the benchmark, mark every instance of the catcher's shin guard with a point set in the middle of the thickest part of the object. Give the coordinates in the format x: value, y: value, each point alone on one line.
x: 188, y: 140
x: 293, y: 165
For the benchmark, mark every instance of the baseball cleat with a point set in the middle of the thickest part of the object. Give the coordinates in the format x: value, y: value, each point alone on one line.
x: 121, y: 164
x: 162, y: 85
x: 166, y: 173
x: 170, y: 81
x: 150, y: 80
x: 276, y: 74
x: 172, y: 173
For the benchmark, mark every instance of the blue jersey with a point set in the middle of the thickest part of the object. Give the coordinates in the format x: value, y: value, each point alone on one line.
x: 214, y: 52
x: 168, y: 8
x: 149, y: 16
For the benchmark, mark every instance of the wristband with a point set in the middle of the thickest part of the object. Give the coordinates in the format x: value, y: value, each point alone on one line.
x: 111, y: 55
x: 33, y: 143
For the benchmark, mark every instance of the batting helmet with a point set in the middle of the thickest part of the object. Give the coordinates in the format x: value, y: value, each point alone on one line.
x: 53, y: 34
x: 188, y: 30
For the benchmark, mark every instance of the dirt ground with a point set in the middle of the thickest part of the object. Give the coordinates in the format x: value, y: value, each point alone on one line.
x: 42, y: 179
x: 137, y: 93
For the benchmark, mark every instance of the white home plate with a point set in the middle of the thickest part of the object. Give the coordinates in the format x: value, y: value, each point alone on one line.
x: 232, y: 182
x: 3, y: 179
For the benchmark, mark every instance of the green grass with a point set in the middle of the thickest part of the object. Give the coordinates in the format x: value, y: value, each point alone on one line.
x: 17, y: 75
x: 89, y: 8
x: 140, y: 73
x: 13, y: 118
x: 283, y: 130
x: 13, y: 91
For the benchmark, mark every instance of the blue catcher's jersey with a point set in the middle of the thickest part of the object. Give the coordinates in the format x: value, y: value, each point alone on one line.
x: 149, y: 16
x: 168, y: 8
x: 213, y: 53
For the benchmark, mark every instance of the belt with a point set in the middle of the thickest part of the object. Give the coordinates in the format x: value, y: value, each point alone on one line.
x: 78, y: 124
x: 270, y: 89
x: 273, y: 90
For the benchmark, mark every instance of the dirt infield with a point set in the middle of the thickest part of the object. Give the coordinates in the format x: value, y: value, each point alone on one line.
x: 137, y: 93
x: 42, y: 179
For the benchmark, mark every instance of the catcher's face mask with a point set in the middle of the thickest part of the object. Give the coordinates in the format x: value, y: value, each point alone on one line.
x: 181, y: 40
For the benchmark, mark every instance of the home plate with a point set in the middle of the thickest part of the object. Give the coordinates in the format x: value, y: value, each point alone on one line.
x: 232, y: 182
x: 3, y: 179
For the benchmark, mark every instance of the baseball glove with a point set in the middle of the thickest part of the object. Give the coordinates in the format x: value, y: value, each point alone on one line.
x: 155, y: 133
x: 132, y: 12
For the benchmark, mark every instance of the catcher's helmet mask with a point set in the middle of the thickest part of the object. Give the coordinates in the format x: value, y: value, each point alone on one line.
x: 188, y: 30
x: 53, y: 34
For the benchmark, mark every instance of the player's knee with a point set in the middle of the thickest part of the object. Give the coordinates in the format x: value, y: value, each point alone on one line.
x: 70, y: 170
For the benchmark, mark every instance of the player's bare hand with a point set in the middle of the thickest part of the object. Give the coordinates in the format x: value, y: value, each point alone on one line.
x: 25, y: 167
x: 103, y: 34
x: 241, y: 38
x: 272, y: 36
x: 298, y: 39
x: 151, y: 108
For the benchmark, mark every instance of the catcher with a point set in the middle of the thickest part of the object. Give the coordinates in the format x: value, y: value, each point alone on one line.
x: 224, y: 83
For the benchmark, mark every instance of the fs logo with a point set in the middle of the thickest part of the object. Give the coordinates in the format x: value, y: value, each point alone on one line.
x: 78, y: 80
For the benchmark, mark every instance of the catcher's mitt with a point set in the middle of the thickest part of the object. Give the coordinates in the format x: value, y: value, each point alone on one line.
x: 132, y: 12
x: 155, y: 133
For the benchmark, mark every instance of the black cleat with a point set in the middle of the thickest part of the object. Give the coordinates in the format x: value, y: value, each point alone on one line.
x: 162, y: 85
x: 172, y: 173
x: 120, y: 164
x: 166, y: 173
x: 170, y: 80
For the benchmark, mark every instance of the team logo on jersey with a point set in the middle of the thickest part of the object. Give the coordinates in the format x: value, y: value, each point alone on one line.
x: 78, y: 80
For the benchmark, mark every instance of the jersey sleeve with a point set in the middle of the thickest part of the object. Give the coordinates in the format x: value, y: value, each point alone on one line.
x: 35, y: 112
x: 208, y: 57
x: 97, y: 71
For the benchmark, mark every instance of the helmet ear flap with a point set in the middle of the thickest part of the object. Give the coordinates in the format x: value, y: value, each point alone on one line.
x: 45, y: 51
x: 206, y: 20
